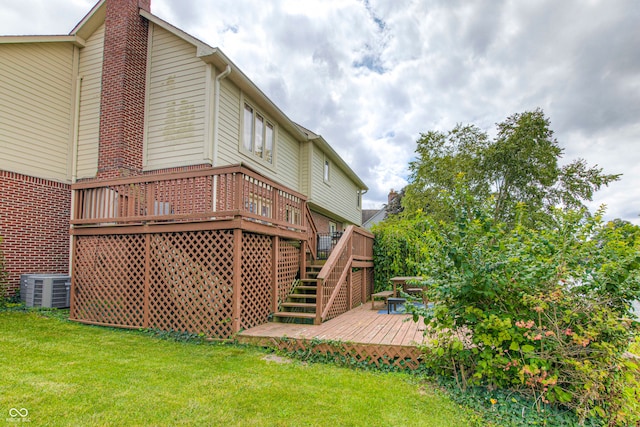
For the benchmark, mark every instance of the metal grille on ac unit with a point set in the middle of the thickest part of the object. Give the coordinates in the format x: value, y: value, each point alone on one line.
x: 45, y: 290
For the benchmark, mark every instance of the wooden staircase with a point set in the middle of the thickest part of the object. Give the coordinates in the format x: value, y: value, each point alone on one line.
x: 300, y: 306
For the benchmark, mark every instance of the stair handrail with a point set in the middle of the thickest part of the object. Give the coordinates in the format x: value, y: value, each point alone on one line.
x: 342, y: 250
x: 312, y: 232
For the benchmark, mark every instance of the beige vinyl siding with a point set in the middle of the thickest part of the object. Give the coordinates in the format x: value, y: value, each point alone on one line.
x: 305, y: 165
x: 288, y: 160
x: 176, y: 107
x: 229, y: 124
x: 339, y: 196
x: 90, y: 69
x: 286, y: 166
x: 36, y: 108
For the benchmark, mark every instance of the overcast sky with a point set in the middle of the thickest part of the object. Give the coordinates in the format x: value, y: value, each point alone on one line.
x: 371, y: 75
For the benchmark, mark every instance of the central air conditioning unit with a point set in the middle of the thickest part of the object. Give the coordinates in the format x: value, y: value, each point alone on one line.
x: 45, y: 290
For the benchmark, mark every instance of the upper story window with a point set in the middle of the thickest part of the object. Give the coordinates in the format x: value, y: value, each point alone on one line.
x: 327, y: 170
x: 258, y: 134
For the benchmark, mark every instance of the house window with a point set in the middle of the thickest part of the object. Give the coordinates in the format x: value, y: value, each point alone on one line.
x: 258, y: 134
x: 327, y: 172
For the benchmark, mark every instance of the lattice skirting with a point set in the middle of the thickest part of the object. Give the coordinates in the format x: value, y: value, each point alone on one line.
x: 288, y: 268
x: 356, y: 293
x: 180, y: 281
x: 403, y: 357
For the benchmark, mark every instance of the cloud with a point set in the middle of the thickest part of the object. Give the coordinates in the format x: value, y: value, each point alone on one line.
x: 370, y: 75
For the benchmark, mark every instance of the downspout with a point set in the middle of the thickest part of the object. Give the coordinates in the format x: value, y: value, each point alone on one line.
x: 216, y: 119
x: 74, y: 162
x: 362, y: 193
x: 216, y: 112
x: 76, y: 120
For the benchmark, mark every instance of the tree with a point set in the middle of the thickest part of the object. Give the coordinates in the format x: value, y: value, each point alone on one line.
x: 519, y: 166
x: 443, y: 159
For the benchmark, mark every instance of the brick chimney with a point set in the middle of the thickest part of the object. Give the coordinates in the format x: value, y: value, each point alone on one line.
x: 392, y: 195
x: 123, y: 88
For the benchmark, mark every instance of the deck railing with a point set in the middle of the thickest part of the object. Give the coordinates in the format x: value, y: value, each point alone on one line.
x: 326, y: 242
x: 335, y: 288
x: 199, y: 195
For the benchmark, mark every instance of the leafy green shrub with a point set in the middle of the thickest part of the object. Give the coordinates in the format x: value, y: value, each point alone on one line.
x: 397, y: 250
x: 544, y: 311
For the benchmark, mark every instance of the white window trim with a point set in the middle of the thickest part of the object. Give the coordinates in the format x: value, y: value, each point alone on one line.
x: 249, y: 153
x: 326, y: 170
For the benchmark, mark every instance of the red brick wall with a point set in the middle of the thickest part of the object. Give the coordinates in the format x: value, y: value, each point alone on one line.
x: 34, y: 225
x: 322, y: 223
x: 123, y: 89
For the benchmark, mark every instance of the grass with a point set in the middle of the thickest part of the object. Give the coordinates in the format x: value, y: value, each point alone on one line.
x: 70, y: 374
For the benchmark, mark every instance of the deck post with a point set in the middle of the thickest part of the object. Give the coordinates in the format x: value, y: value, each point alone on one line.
x: 303, y: 259
x: 149, y: 200
x: 349, y: 274
x: 237, y: 279
x: 131, y: 203
x: 275, y: 211
x: 364, y: 285
x: 76, y: 208
x: 274, y: 272
x: 239, y: 192
x: 72, y: 292
x: 319, y: 302
x: 147, y: 273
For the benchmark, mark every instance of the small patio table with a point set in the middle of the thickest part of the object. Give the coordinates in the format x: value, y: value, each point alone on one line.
x: 402, y: 281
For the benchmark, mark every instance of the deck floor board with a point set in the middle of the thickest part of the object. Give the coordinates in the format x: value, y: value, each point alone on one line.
x: 361, y: 325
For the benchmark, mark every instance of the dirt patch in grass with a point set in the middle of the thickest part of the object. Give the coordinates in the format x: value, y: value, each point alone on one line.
x: 277, y: 359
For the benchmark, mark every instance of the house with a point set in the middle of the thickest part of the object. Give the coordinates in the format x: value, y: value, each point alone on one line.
x: 371, y: 217
x: 175, y: 192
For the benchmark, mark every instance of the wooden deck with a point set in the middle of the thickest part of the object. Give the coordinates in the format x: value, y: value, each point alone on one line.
x: 363, y: 332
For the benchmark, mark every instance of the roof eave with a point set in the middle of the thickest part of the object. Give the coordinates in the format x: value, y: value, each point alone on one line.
x: 91, y: 21
x: 75, y: 40
x: 333, y: 155
x: 220, y: 61
x: 202, y: 49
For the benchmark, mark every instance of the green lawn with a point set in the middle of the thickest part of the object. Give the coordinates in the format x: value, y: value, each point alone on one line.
x: 70, y: 374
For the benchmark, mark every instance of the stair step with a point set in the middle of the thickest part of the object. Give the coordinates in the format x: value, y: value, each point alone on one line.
x: 294, y: 314
x: 306, y: 287
x: 298, y: 305
x: 310, y: 296
x: 314, y: 281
